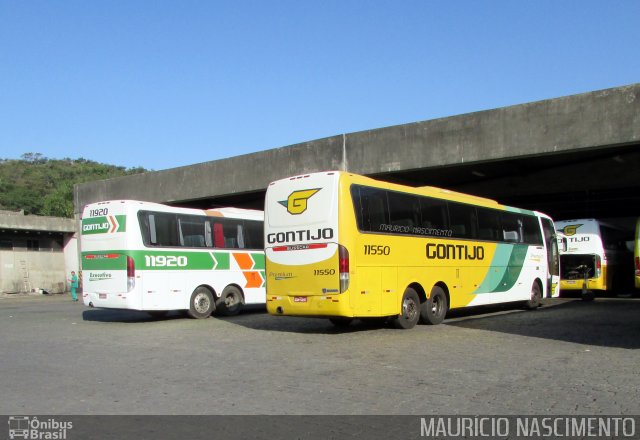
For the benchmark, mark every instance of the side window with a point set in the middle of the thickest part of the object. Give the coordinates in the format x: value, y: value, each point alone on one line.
x: 531, y: 230
x: 193, y: 231
x: 489, y: 224
x: 511, y: 227
x: 228, y: 234
x: 462, y: 219
x: 159, y: 228
x: 434, y: 213
x: 404, y: 209
x: 371, y: 208
x: 254, y: 234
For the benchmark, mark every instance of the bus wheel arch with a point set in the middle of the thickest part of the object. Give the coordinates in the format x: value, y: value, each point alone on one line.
x: 231, y: 300
x: 419, y: 290
x: 435, y: 308
x: 201, y: 303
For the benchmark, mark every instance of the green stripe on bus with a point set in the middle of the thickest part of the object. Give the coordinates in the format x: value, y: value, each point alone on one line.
x: 162, y: 260
x: 515, y: 265
x: 258, y: 258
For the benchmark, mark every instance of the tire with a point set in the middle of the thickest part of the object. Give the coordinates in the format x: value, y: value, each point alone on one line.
x: 230, y: 301
x: 435, y: 308
x: 536, y: 297
x: 409, y: 310
x: 341, y: 322
x: 201, y: 304
x: 588, y: 295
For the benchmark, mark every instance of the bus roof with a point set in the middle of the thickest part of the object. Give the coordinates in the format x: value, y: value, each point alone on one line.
x: 430, y: 191
x: 231, y: 212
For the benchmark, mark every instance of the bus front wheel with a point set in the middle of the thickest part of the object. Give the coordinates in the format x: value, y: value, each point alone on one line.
x: 409, y: 310
x: 230, y: 301
x: 201, y: 305
x: 536, y: 297
x: 434, y: 309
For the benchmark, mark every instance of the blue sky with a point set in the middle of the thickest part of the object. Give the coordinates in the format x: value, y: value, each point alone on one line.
x: 161, y: 84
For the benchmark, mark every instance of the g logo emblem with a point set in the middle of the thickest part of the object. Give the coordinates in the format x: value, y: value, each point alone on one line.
x: 570, y: 230
x: 296, y: 203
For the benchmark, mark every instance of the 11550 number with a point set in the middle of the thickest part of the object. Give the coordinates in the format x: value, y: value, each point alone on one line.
x: 373, y: 249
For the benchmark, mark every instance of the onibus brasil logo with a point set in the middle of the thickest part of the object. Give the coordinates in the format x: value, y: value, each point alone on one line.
x: 27, y: 427
x: 296, y: 203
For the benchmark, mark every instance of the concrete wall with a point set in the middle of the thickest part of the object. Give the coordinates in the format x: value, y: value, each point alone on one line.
x: 27, y: 271
x: 563, y: 125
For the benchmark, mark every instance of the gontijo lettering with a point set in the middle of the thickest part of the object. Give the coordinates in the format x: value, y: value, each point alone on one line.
x: 454, y: 252
x: 302, y: 235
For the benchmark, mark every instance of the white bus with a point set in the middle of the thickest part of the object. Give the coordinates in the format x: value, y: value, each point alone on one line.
x: 344, y: 246
x: 593, y: 256
x: 147, y: 256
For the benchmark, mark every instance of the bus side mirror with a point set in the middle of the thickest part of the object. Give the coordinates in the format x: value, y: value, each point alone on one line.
x: 565, y: 246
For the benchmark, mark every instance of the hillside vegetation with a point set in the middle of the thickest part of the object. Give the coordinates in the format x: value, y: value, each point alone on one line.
x: 43, y: 186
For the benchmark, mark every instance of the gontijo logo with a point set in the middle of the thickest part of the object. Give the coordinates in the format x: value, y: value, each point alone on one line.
x: 104, y: 225
x: 296, y: 203
x: 570, y: 230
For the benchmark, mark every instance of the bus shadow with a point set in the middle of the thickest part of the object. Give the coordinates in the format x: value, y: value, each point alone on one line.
x: 304, y: 325
x: 122, y: 315
x: 605, y: 322
x: 117, y: 315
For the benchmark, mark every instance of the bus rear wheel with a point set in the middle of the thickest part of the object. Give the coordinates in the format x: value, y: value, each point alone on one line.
x: 434, y: 309
x: 201, y: 304
x: 409, y: 310
x: 536, y: 297
x: 230, y: 301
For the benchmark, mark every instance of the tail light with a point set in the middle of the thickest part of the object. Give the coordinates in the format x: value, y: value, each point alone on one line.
x: 131, y: 274
x: 598, y: 267
x: 638, y: 266
x: 343, y: 265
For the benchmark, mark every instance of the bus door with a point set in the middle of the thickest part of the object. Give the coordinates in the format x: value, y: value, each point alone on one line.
x: 553, y: 257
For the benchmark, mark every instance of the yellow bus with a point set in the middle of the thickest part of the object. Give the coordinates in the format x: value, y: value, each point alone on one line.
x: 343, y: 246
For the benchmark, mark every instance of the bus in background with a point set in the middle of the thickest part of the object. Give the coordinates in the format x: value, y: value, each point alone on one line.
x: 594, y: 257
x: 636, y: 255
x: 147, y: 256
x: 343, y: 246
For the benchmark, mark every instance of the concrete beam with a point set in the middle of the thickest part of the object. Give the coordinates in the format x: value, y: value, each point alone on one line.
x: 17, y: 221
x: 575, y: 123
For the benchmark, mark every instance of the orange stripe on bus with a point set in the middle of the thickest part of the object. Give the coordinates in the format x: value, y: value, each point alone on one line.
x: 244, y: 261
x: 253, y: 279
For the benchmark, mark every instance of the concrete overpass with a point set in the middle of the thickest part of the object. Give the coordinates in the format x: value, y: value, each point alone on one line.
x: 574, y: 156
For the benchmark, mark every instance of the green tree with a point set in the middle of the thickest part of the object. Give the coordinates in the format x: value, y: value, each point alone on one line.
x: 43, y: 186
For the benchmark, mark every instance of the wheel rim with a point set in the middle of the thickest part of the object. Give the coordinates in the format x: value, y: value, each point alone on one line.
x: 231, y: 300
x: 201, y: 302
x: 436, y: 307
x: 535, y: 295
x: 409, y: 309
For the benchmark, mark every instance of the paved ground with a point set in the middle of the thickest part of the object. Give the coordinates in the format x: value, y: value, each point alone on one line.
x: 569, y: 357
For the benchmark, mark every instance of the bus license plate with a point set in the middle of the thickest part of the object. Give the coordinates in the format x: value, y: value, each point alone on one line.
x: 103, y: 296
x: 300, y: 299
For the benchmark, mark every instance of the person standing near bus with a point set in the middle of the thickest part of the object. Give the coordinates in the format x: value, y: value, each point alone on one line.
x: 74, y: 286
